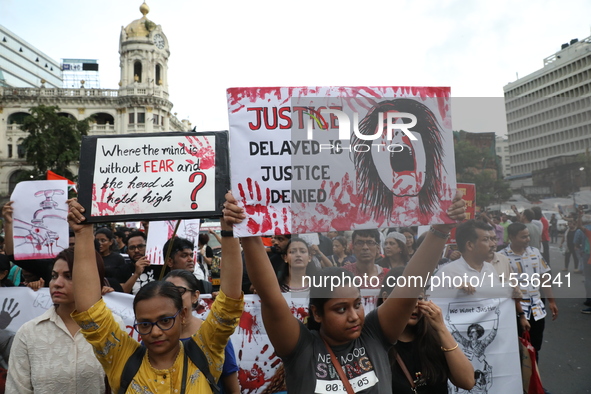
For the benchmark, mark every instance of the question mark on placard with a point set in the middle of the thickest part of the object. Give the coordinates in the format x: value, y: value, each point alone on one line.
x: 197, y: 188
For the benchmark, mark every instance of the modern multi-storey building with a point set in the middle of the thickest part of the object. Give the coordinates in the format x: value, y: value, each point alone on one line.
x: 502, y: 151
x: 548, y: 111
x: 22, y: 65
x: 140, y: 103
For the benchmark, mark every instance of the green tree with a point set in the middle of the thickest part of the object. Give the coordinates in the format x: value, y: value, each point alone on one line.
x: 468, y: 156
x: 53, y: 141
x: 471, y: 164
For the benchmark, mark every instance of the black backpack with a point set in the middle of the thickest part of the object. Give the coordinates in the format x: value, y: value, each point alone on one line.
x: 192, y: 352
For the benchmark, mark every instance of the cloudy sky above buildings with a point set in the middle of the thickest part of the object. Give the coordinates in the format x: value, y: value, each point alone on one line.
x: 475, y: 47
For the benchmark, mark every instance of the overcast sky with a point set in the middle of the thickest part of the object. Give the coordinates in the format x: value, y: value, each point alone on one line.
x: 475, y: 47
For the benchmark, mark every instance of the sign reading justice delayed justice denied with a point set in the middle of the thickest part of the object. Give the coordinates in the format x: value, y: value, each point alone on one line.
x: 153, y: 176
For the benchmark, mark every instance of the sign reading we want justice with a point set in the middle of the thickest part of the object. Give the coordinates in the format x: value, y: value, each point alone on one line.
x: 153, y: 176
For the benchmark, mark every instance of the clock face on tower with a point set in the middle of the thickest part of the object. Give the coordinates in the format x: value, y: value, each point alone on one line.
x: 159, y: 41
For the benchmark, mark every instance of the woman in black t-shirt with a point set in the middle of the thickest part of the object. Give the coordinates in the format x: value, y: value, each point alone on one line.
x: 337, y: 323
x: 427, y: 350
x: 116, y: 271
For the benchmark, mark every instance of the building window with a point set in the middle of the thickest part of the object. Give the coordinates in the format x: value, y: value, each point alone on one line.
x: 21, y: 151
x: 158, y: 75
x: 131, y: 118
x: 9, y: 151
x: 137, y: 71
x: 156, y: 119
x: 15, y: 178
x: 141, y: 117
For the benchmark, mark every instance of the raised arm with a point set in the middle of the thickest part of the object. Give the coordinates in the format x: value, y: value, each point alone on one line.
x: 216, y: 235
x: 85, y: 276
x: 282, y: 327
x: 518, y: 216
x: 231, y: 269
x: 8, y: 233
x: 460, y: 368
x: 324, y: 261
x: 395, y: 311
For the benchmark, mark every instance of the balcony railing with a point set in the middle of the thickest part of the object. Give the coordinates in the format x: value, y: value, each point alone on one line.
x: 102, y: 127
x: 54, y: 92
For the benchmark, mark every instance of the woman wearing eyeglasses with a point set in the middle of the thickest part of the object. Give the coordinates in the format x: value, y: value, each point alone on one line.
x: 160, y: 315
x: 190, y: 288
x: 49, y: 354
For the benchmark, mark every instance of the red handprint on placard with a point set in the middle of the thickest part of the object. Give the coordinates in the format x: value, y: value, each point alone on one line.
x: 259, y: 219
x: 281, y: 221
x: 340, y: 210
x: 262, y: 217
x: 200, y: 149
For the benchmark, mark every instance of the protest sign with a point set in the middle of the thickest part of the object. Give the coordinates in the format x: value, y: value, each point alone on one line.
x: 340, y: 158
x: 485, y: 329
x: 40, y: 226
x: 311, y: 239
x: 468, y: 191
x: 153, y: 176
x: 161, y: 231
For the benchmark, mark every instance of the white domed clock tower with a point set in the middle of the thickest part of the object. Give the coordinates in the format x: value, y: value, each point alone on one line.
x: 144, y: 52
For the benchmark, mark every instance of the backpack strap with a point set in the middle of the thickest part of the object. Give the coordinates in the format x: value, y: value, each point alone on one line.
x: 192, y: 350
x: 131, y: 367
x: 198, y: 358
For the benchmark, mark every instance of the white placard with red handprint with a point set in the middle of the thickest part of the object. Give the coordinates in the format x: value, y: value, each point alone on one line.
x: 162, y: 231
x: 153, y: 176
x: 40, y: 215
x: 295, y: 171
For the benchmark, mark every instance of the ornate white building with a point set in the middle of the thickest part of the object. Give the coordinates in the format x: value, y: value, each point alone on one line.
x: 140, y: 104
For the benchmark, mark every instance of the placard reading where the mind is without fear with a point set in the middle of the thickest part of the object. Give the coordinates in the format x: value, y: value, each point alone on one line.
x: 153, y: 176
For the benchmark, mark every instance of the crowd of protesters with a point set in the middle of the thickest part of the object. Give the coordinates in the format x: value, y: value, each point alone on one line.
x: 106, y: 259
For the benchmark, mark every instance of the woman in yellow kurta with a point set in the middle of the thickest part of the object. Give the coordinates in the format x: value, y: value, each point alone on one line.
x: 159, y: 316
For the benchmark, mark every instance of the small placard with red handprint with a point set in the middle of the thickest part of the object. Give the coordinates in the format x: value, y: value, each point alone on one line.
x: 340, y: 158
x: 153, y: 176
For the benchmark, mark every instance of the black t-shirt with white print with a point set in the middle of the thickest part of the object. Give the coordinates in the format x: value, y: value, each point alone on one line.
x: 309, y: 368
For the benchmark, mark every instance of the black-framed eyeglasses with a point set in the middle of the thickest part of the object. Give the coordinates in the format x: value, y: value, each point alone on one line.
x: 181, y: 289
x: 360, y: 243
x: 136, y: 247
x: 165, y: 324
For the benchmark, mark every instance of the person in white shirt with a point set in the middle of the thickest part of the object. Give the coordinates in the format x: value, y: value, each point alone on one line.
x: 476, y: 244
x: 528, y: 263
x: 502, y: 265
x: 49, y: 354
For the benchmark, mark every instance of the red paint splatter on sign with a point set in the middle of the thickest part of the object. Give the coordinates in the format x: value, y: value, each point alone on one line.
x: 200, y: 148
x: 252, y: 379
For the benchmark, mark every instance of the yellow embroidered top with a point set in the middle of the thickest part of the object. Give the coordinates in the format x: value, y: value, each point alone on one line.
x: 113, y: 347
